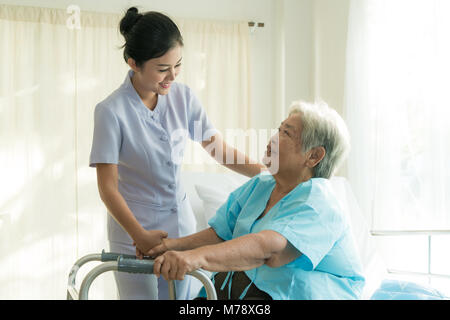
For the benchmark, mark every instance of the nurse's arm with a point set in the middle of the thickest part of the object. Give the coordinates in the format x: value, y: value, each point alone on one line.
x: 107, y: 180
x: 230, y: 157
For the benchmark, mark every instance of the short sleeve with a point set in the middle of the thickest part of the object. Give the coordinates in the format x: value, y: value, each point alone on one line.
x: 310, y: 232
x: 107, y: 137
x: 200, y: 127
x: 224, y: 221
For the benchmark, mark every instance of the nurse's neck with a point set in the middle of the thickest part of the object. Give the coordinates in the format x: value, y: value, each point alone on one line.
x: 148, y: 97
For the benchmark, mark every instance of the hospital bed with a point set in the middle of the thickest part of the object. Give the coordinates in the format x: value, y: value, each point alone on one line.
x: 208, y: 191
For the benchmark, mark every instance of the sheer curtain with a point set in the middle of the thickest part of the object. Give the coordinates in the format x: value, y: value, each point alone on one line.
x: 53, y: 72
x: 216, y: 65
x: 398, y: 112
x: 51, y: 78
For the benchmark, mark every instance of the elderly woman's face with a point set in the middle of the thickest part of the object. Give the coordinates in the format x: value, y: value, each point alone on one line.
x: 284, y: 148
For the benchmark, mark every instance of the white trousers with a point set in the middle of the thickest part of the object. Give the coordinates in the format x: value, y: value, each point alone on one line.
x: 146, y: 286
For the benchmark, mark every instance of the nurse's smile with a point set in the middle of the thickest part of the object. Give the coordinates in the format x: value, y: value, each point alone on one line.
x: 155, y: 76
x: 165, y: 85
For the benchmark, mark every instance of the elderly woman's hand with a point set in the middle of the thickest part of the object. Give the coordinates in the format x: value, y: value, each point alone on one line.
x: 173, y: 265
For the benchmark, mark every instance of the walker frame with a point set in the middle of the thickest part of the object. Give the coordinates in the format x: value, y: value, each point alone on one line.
x: 124, y: 263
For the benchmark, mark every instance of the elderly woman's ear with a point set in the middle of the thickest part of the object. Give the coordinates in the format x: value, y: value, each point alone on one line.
x: 316, y: 155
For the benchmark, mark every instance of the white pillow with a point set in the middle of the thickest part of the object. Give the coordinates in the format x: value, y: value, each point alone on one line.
x: 214, y: 195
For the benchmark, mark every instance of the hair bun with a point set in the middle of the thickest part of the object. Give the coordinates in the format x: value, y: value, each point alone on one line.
x: 129, y: 20
x: 132, y: 10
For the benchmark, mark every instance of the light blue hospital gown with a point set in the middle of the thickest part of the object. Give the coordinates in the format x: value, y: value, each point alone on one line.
x: 310, y: 218
x: 148, y: 147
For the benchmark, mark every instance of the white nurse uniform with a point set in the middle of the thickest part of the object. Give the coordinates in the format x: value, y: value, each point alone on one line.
x: 146, y: 146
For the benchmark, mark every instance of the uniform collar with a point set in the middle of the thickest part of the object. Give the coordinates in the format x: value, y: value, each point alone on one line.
x: 138, y: 104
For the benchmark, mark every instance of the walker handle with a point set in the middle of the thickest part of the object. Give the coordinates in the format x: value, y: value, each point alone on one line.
x: 111, y: 256
x: 133, y: 265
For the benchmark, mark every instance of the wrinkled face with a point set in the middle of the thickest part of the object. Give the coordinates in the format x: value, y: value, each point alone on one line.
x: 157, y: 74
x: 284, y: 149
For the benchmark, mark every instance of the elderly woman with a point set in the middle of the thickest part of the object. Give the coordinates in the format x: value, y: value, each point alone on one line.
x: 281, y: 235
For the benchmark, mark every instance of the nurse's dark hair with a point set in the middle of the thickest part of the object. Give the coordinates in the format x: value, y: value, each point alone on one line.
x: 148, y: 35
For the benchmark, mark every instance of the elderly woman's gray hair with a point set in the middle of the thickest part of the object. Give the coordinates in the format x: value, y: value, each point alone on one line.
x: 322, y: 126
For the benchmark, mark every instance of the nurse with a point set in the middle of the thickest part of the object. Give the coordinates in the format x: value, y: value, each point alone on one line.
x: 282, y: 235
x: 136, y: 155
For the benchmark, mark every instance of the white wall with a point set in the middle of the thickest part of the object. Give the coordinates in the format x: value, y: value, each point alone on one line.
x: 330, y: 44
x: 314, y: 46
x: 298, y: 50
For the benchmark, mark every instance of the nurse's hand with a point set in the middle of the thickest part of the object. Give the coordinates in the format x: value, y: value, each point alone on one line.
x: 173, y: 265
x: 166, y: 245
x: 155, y: 251
x: 147, y: 240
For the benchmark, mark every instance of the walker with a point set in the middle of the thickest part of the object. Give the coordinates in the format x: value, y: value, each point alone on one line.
x: 124, y: 263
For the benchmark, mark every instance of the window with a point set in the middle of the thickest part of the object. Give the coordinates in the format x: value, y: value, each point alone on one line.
x: 398, y: 113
